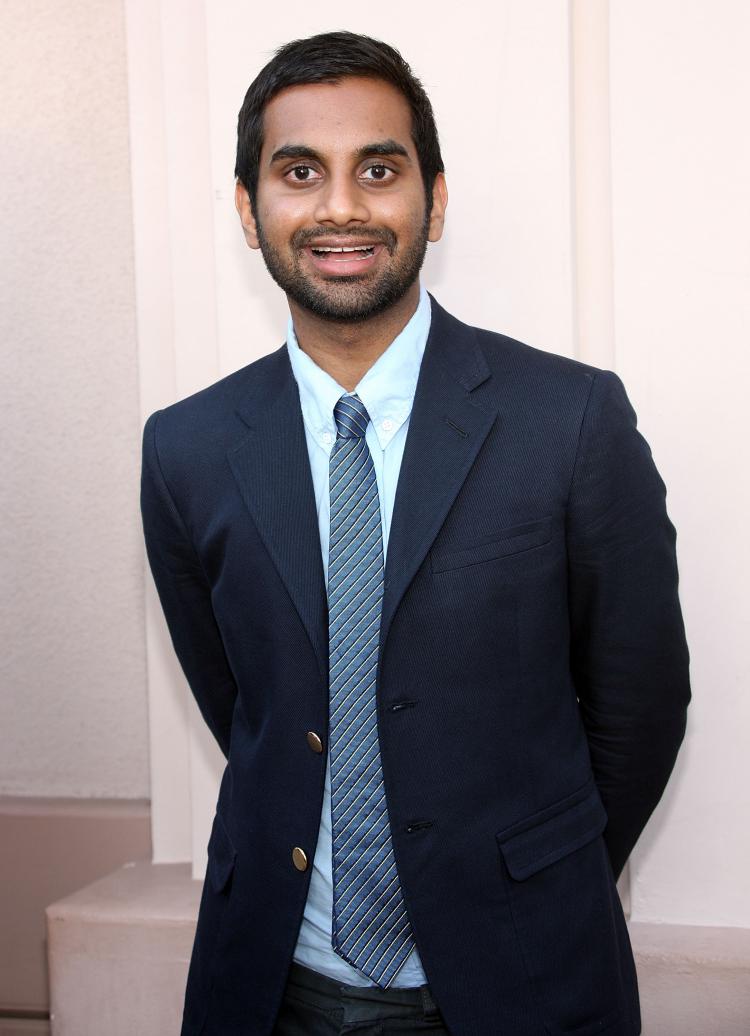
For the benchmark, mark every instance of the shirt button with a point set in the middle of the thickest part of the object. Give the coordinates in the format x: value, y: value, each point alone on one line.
x: 387, y: 425
x: 327, y: 438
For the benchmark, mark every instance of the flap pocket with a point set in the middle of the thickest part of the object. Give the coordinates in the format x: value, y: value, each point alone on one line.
x: 497, y: 545
x: 532, y: 844
x: 221, y: 856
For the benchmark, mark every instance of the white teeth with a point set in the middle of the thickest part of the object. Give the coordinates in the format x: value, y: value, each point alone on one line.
x: 357, y: 248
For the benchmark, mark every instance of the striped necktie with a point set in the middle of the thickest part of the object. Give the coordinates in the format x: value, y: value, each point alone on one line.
x: 370, y: 927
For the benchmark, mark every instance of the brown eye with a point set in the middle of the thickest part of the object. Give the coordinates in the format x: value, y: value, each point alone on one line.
x: 301, y: 174
x: 379, y: 173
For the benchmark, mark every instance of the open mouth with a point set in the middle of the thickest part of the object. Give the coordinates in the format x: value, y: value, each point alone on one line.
x: 344, y: 260
x: 344, y: 254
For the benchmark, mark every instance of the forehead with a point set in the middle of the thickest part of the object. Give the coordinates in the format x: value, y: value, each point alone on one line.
x: 337, y: 117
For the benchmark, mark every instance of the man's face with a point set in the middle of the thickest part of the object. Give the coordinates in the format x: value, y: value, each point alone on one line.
x: 338, y: 170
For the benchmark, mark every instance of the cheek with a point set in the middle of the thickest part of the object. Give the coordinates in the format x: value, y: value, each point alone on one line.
x: 405, y: 215
x: 409, y: 211
x: 280, y: 217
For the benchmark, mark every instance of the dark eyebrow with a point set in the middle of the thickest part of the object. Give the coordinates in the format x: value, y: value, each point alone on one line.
x: 379, y: 147
x: 383, y: 147
x: 294, y: 151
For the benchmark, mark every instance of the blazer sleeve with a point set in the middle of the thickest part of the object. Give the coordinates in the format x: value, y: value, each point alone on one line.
x: 629, y: 657
x: 185, y: 595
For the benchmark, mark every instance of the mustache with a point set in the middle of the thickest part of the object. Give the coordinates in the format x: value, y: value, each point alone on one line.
x: 381, y: 235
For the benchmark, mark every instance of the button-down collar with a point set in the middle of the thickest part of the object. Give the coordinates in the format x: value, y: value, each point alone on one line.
x: 386, y: 389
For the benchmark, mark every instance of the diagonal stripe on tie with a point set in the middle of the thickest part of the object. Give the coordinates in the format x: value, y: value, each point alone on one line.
x: 370, y: 926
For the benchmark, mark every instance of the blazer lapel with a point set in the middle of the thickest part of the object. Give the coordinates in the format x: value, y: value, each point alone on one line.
x: 446, y: 430
x: 272, y: 469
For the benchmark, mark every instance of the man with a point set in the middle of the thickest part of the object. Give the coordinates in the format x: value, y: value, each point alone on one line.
x: 423, y: 585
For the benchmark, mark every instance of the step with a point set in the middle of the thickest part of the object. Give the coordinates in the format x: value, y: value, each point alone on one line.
x: 119, y: 951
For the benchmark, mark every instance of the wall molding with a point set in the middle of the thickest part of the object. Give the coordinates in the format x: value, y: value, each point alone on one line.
x: 592, y: 183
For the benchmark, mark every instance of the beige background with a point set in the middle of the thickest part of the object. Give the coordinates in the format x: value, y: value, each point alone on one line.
x: 598, y: 167
x: 681, y: 232
x: 73, y: 701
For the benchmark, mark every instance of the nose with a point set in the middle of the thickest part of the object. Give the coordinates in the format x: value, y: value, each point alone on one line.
x: 341, y: 201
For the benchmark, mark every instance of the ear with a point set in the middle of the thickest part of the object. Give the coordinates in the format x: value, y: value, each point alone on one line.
x: 245, y: 210
x: 439, y: 204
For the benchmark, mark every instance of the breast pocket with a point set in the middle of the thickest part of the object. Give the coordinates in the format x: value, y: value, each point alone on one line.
x: 501, y: 544
x: 567, y: 914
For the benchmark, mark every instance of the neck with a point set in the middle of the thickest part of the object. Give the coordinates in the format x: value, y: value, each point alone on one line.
x: 347, y: 351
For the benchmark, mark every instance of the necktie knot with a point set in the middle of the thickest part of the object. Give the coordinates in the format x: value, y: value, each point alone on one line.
x: 351, y: 417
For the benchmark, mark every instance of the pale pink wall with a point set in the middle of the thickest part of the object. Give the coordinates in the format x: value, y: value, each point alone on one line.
x: 679, y: 217
x: 680, y: 83
x: 73, y: 692
x: 672, y: 249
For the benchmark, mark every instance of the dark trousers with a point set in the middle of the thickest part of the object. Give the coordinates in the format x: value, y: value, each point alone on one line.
x: 314, y: 1005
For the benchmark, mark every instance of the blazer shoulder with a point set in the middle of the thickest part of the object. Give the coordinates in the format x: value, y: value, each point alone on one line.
x: 203, y: 415
x: 513, y: 361
x: 510, y: 354
x: 545, y: 385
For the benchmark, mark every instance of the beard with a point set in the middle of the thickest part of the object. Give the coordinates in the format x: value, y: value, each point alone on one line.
x: 346, y: 299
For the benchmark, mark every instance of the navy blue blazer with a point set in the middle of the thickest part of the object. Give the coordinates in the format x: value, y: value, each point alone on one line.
x: 532, y: 680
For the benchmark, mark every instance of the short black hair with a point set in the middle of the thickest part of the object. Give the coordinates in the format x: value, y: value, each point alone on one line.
x: 328, y: 58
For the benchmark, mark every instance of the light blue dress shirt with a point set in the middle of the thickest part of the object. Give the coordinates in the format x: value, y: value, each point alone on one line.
x: 387, y: 391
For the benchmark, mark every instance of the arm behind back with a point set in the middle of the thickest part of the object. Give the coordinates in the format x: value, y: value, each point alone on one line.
x: 185, y: 595
x: 628, y: 652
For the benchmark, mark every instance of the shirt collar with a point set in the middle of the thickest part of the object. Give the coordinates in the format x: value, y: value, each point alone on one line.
x: 386, y: 389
